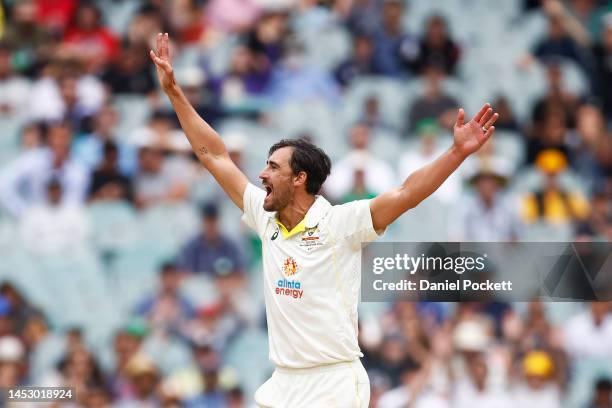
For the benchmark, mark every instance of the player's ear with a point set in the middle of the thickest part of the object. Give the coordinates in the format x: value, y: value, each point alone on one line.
x: 300, y: 179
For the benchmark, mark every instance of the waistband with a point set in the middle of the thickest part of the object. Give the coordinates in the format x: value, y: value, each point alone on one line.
x: 319, y: 368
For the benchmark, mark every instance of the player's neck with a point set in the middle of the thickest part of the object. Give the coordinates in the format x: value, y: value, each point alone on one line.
x: 294, y: 213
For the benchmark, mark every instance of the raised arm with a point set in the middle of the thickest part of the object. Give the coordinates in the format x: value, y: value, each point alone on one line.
x: 205, y: 142
x: 468, y: 137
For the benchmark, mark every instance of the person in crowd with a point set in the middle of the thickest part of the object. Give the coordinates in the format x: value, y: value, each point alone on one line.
x: 489, y: 216
x: 360, y: 63
x: 24, y: 181
x: 144, y: 380
x: 437, y: 47
x: 394, y: 48
x: 434, y: 102
x: 211, y: 252
x: 602, y: 395
x: 167, y: 309
x: 602, y: 52
x: 14, y: 89
x: 553, y: 204
x: 108, y: 183
x: 430, y: 147
x: 56, y: 226
x: 88, y: 39
x: 537, y: 388
x: 377, y: 174
x: 589, y: 334
x: 130, y: 74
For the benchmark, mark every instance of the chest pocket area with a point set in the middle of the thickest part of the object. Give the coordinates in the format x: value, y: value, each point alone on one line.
x: 312, y: 240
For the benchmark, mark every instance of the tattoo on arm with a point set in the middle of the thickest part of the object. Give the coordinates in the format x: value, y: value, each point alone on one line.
x: 202, y: 151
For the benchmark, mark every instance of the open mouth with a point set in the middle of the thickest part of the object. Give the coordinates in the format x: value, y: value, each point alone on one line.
x: 268, y: 191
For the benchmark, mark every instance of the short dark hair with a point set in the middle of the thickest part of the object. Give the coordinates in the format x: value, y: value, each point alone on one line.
x: 308, y: 158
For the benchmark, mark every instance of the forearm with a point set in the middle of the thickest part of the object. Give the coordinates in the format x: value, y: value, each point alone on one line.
x: 426, y: 180
x: 205, y: 141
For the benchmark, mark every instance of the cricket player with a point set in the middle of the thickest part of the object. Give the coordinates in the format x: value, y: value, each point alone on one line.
x: 311, y: 249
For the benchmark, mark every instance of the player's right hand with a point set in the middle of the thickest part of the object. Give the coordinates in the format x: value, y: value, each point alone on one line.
x: 161, y: 58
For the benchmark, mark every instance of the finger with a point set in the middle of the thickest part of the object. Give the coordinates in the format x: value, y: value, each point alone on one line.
x: 153, y: 56
x: 488, y: 114
x: 158, y: 44
x: 460, y: 118
x: 489, y: 133
x: 481, y: 113
x: 166, y: 42
x: 491, y: 121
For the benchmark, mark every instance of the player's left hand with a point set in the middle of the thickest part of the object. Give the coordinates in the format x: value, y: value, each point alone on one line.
x: 468, y: 137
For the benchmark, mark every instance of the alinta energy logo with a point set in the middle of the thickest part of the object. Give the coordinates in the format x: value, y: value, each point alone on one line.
x: 291, y: 288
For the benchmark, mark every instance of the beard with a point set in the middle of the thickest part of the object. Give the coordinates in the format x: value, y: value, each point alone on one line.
x: 277, y: 200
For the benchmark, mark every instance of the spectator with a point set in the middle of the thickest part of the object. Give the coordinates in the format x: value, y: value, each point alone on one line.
x: 163, y: 175
x: 221, y: 16
x: 428, y: 150
x: 267, y: 36
x: 14, y: 89
x: 434, y: 103
x: 57, y: 226
x: 144, y: 379
x: 208, y: 364
x: 31, y: 136
x: 360, y: 63
x: 378, y: 175
x: 89, y: 40
x: 586, y: 141
x: 538, y: 389
x: 23, y: 183
x: 130, y: 73
x: 602, y: 397
x: 166, y: 309
x: 12, y: 362
x: 557, y: 97
x: 372, y: 117
x: 127, y: 344
x: 564, y: 39
x: 507, y: 119
x: 603, y: 78
x: 394, y: 49
x: 89, y: 149
x: 107, y: 182
x: 477, y: 390
x: 553, y: 134
x: 26, y: 37
x: 245, y: 83
x: 20, y: 309
x: 598, y: 227
x: 488, y: 216
x: 589, y: 334
x: 436, y: 47
x: 297, y: 81
x: 553, y: 204
x: 412, y: 391
x: 211, y: 252
x: 64, y: 92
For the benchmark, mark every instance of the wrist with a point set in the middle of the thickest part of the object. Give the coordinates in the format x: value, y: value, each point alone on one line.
x: 457, y: 153
x: 172, y: 89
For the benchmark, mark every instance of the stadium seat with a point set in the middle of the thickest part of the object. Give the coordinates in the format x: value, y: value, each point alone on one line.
x: 134, y: 111
x: 248, y: 354
x: 114, y: 225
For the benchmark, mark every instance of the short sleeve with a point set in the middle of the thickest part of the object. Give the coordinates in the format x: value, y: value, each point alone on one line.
x: 353, y: 222
x: 254, y: 214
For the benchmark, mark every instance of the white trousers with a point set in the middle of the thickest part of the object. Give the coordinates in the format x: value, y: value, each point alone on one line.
x: 340, y: 385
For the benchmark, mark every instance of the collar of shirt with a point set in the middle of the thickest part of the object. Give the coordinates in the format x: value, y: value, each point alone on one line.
x: 316, y: 211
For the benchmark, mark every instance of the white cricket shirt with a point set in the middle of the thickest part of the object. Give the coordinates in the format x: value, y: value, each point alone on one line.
x: 312, y: 277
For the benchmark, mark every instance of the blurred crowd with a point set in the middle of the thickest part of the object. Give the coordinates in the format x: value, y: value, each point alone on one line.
x: 91, y: 150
